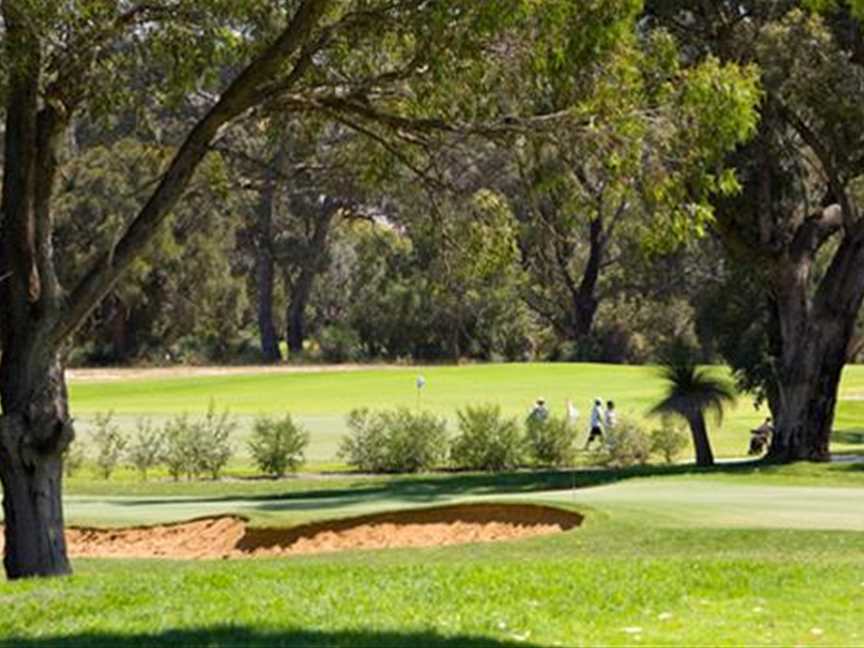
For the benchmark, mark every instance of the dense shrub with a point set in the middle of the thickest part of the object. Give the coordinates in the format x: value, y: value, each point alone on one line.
x: 487, y: 440
x: 394, y: 441
x: 625, y: 445
x: 73, y: 458
x: 551, y: 442
x: 669, y: 440
x: 365, y: 446
x: 145, y: 451
x: 110, y: 443
x: 278, y: 446
x: 178, y: 451
x: 339, y: 343
x: 213, y: 441
x: 197, y: 447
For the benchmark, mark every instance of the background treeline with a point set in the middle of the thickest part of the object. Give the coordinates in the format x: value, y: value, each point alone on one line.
x: 644, y: 173
x: 282, y: 251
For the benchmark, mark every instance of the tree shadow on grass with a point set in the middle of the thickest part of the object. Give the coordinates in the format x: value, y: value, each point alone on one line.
x: 243, y: 636
x: 850, y: 436
x: 434, y: 487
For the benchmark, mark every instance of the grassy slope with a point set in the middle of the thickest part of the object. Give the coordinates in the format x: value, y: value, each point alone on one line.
x: 651, y: 557
x: 739, y: 555
x: 321, y: 400
x: 803, y: 496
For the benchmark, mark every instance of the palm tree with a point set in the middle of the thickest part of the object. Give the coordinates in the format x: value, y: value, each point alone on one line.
x: 691, y: 392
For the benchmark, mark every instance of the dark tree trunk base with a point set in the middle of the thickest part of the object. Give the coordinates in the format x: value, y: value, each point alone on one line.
x: 32, y: 500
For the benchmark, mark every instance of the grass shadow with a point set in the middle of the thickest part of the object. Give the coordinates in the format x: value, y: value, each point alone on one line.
x: 850, y: 436
x: 433, y: 487
x: 244, y: 636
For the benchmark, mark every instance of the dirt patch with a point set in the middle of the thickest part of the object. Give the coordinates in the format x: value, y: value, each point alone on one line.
x: 230, y: 537
x: 135, y: 373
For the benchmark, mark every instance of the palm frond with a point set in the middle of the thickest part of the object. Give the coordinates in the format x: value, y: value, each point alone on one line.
x: 692, y: 389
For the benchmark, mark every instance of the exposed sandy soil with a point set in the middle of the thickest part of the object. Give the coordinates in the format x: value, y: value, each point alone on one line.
x: 122, y: 373
x: 230, y: 537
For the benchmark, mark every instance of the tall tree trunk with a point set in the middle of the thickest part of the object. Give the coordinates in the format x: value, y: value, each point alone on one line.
x: 119, y: 329
x: 808, y: 398
x: 35, y: 429
x: 583, y: 295
x: 701, y: 443
x: 265, y: 269
x: 816, y: 335
x: 301, y: 290
x: 296, y: 333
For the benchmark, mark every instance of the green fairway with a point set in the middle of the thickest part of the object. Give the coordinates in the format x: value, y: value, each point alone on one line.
x: 320, y: 400
x: 667, y: 502
x: 741, y: 554
x: 708, y: 558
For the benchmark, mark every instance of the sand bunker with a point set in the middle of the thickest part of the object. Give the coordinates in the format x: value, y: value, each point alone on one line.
x: 230, y: 537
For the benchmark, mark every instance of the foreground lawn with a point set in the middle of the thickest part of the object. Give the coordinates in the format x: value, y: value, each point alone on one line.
x: 605, y: 584
x: 740, y: 555
x: 321, y: 400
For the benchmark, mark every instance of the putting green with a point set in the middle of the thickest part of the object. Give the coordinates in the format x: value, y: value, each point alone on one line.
x: 665, y: 502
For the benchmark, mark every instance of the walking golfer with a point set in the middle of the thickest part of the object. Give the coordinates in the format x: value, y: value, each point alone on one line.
x: 595, y: 425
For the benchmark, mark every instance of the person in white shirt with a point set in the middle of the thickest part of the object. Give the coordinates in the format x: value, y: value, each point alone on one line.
x: 595, y: 425
x: 572, y: 413
x: 611, y: 417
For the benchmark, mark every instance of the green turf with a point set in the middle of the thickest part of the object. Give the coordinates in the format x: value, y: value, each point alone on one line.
x: 449, y: 598
x: 743, y: 554
x: 619, y: 580
x: 731, y: 556
x: 820, y: 497
x: 320, y: 400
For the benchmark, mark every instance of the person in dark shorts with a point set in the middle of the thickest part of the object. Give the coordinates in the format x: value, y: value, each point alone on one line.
x: 595, y: 426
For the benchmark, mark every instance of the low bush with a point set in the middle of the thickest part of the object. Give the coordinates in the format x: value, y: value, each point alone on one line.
x: 551, y: 442
x: 365, y: 446
x: 213, y: 441
x: 178, y: 451
x: 669, y: 440
x: 73, y: 458
x: 339, y: 343
x: 487, y: 440
x: 278, y: 446
x: 145, y: 451
x: 626, y: 444
x: 110, y: 443
x: 394, y: 441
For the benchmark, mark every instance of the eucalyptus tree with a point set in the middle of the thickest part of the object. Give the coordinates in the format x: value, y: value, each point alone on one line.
x: 152, y: 307
x: 375, y: 62
x: 797, y: 222
x: 305, y: 176
x: 649, y: 163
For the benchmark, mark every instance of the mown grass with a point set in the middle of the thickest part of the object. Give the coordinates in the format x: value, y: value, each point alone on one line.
x: 743, y: 554
x: 671, y: 497
x: 639, y: 571
x: 321, y: 400
x: 606, y: 584
x: 128, y: 483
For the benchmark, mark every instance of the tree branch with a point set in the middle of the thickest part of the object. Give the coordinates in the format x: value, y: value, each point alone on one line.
x: 242, y: 94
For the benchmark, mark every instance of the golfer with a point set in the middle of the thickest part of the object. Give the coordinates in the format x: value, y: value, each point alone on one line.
x: 539, y: 413
x: 595, y: 425
x: 611, y: 417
